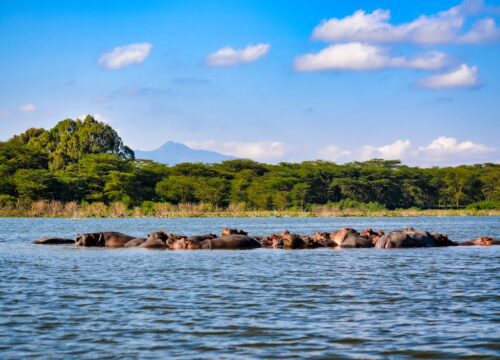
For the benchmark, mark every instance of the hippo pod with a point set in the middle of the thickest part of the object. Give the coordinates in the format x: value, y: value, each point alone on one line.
x: 350, y: 238
x: 409, y: 238
x: 481, y: 241
x: 110, y: 239
x: 53, y: 241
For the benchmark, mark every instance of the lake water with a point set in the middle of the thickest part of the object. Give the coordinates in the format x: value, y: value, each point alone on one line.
x: 68, y: 302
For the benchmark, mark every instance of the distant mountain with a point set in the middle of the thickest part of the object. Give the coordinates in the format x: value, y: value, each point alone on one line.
x: 174, y: 153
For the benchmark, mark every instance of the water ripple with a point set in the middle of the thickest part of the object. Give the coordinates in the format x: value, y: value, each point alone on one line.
x: 66, y: 302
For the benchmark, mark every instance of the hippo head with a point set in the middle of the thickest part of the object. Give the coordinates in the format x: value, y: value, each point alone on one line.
x: 158, y: 235
x: 95, y: 239
x: 228, y: 231
x: 194, y: 243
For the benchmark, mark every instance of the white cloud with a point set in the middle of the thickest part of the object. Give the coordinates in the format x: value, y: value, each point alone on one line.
x: 443, y: 27
x: 440, y: 152
x: 259, y: 150
x: 96, y: 116
x: 27, y: 108
x: 228, y: 56
x: 484, y: 30
x: 360, y: 57
x: 123, y: 56
x: 333, y: 153
x: 463, y: 76
x: 445, y: 150
x: 398, y: 150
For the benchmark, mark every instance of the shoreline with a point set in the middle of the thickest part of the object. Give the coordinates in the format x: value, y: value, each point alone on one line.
x: 137, y: 213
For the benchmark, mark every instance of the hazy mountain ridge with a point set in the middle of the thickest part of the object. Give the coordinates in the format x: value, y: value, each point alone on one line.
x: 174, y: 153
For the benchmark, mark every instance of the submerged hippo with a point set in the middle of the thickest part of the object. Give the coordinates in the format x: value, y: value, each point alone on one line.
x: 53, y: 241
x: 155, y: 240
x: 481, y: 241
x: 228, y: 231
x: 321, y: 239
x: 103, y: 239
x: 372, y: 235
x: 231, y: 242
x: 293, y: 241
x: 350, y: 238
x: 135, y: 242
x: 409, y: 237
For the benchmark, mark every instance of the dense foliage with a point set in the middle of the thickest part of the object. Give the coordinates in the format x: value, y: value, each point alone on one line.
x: 86, y: 161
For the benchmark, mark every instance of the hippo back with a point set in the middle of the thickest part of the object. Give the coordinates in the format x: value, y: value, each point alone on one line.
x: 231, y: 242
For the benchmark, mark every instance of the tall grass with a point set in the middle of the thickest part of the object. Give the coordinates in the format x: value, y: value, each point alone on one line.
x: 45, y: 208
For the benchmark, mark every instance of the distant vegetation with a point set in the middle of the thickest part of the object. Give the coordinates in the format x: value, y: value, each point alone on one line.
x: 82, y: 167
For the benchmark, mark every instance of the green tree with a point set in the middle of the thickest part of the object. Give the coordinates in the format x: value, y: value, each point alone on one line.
x: 177, y: 189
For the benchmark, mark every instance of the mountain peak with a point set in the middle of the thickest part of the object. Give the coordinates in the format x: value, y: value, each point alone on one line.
x: 174, y: 153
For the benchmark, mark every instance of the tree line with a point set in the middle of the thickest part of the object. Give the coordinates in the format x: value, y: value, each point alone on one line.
x: 86, y: 161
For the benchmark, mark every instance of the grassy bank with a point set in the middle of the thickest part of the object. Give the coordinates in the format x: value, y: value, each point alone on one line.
x: 48, y: 209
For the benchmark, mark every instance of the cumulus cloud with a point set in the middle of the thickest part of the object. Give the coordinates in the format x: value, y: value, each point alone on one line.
x: 27, y: 108
x: 462, y: 77
x: 443, y: 27
x: 361, y: 57
x: 395, y: 151
x: 441, y: 151
x: 127, y: 55
x: 444, y: 150
x: 333, y: 153
x: 228, y: 56
x: 259, y: 150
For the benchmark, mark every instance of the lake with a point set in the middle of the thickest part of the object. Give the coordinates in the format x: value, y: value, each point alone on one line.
x: 68, y: 302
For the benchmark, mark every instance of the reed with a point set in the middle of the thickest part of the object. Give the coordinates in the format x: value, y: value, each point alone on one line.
x: 48, y: 209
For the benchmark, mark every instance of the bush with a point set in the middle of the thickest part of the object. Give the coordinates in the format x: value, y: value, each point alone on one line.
x: 7, y: 200
x: 148, y: 208
x: 484, y: 205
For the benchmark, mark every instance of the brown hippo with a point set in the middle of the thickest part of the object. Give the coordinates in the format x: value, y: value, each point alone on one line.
x: 267, y: 241
x: 350, y: 238
x: 135, y: 242
x: 53, y: 241
x: 293, y: 241
x: 372, y: 235
x: 409, y: 237
x: 321, y: 239
x: 103, y: 239
x: 228, y: 231
x: 481, y: 241
x: 229, y: 242
x: 156, y: 240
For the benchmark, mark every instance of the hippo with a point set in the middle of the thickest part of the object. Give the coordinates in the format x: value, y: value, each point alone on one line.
x: 103, y: 239
x: 350, y: 238
x: 321, y: 239
x: 231, y: 242
x: 267, y: 241
x: 195, y: 238
x: 293, y: 241
x: 53, y: 241
x: 135, y: 242
x: 372, y: 235
x: 228, y: 231
x: 409, y: 237
x: 156, y: 240
x: 481, y: 241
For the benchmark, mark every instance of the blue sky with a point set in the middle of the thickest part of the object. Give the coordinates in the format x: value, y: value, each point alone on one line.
x: 270, y: 80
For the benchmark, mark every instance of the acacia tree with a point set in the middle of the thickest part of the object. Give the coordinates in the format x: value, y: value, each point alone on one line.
x: 70, y: 140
